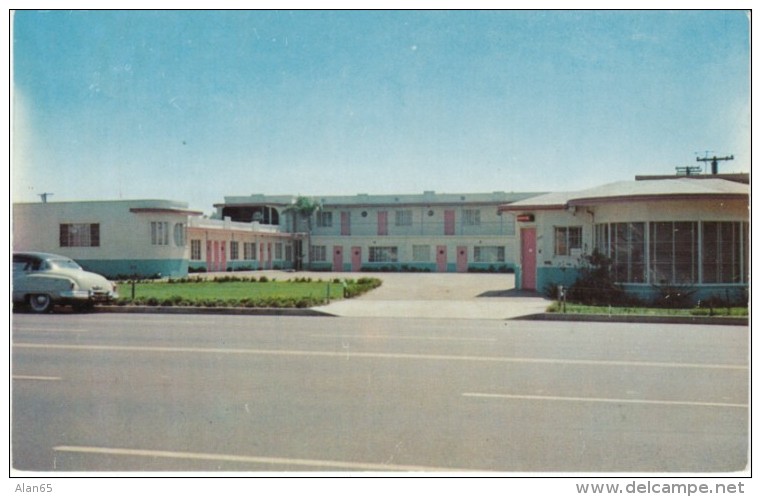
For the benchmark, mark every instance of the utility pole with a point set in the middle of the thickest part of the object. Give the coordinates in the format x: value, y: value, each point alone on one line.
x: 715, y: 162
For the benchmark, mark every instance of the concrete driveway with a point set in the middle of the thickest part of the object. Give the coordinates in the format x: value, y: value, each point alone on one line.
x: 440, y: 295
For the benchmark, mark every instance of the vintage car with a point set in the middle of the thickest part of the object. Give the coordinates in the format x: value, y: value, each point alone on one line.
x: 43, y: 280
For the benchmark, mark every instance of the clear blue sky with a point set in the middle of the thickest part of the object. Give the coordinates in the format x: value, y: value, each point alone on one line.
x: 197, y: 105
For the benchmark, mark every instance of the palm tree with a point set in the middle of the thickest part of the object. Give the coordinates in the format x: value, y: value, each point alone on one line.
x: 303, y: 208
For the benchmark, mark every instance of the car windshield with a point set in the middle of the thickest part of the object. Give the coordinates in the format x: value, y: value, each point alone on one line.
x: 63, y: 264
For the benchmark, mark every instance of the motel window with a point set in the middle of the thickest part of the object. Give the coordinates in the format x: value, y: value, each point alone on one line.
x: 324, y: 219
x: 383, y: 254
x: 234, y: 254
x: 567, y: 239
x: 179, y: 234
x: 509, y: 223
x: 725, y: 252
x: 249, y: 251
x: 288, y: 252
x: 318, y: 254
x: 279, y: 251
x: 195, y: 250
x: 489, y: 254
x: 673, y: 252
x: 159, y: 233
x: 404, y: 218
x: 678, y: 252
x: 472, y: 217
x: 421, y: 253
x: 627, y: 251
x: 79, y: 235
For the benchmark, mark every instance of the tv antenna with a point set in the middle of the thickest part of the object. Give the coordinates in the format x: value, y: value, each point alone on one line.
x: 44, y: 197
x: 715, y: 162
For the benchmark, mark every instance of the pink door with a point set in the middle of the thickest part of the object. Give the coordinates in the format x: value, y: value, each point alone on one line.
x: 261, y: 255
x: 269, y: 255
x: 209, y: 255
x: 222, y: 257
x: 215, y: 257
x: 462, y: 259
x: 528, y: 258
x: 345, y: 223
x: 356, y: 259
x: 441, y: 258
x: 449, y: 222
x: 338, y: 258
x: 382, y: 223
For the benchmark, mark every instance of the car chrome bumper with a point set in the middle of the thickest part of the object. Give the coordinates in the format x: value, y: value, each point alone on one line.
x: 85, y: 295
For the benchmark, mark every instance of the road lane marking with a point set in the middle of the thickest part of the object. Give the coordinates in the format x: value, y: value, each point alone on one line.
x: 315, y: 463
x: 36, y: 378
x: 406, y: 337
x: 372, y: 355
x: 50, y: 330
x: 603, y: 400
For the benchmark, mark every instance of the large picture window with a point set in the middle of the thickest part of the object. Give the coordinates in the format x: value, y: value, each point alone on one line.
x: 383, y: 254
x: 676, y: 252
x: 319, y: 253
x: 725, y: 249
x: 79, y: 235
x: 673, y: 253
x: 627, y: 249
x: 489, y: 254
x: 421, y: 253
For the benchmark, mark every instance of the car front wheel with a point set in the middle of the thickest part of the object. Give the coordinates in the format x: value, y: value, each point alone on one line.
x: 40, y: 303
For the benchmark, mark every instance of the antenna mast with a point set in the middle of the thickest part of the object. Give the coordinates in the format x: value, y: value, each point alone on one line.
x: 715, y: 162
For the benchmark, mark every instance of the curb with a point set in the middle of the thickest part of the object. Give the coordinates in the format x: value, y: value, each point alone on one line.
x: 230, y: 311
x: 621, y: 318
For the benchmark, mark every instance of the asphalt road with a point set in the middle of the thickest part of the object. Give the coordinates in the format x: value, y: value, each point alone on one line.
x: 110, y: 392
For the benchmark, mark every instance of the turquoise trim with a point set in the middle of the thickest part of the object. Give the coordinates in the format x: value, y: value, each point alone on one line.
x: 547, y: 276
x: 144, y: 268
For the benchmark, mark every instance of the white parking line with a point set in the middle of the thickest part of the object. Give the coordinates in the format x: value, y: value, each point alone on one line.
x: 603, y: 400
x: 406, y: 337
x: 36, y: 378
x: 374, y: 355
x: 314, y: 463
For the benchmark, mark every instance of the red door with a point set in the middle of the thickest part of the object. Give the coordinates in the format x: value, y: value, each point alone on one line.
x: 345, y: 223
x: 382, y: 223
x: 449, y: 222
x: 528, y: 258
x: 356, y: 259
x: 338, y: 258
x: 462, y: 259
x: 269, y: 255
x: 441, y: 258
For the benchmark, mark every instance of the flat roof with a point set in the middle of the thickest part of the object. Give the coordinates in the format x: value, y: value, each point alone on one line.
x: 363, y: 199
x: 639, y: 190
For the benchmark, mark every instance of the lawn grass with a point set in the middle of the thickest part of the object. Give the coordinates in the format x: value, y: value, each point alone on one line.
x: 240, y: 292
x: 648, y: 311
